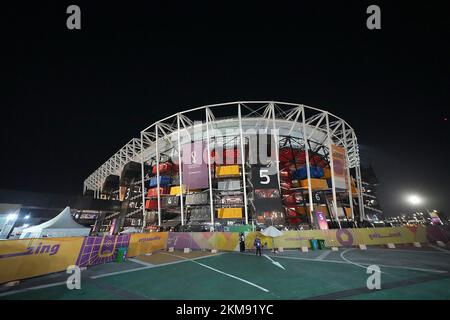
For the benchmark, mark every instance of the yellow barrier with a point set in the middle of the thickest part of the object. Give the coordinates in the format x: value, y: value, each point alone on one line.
x: 342, y: 237
x: 142, y: 243
x: 20, y: 259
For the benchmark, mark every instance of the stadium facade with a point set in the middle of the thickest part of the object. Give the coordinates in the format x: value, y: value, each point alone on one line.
x: 234, y: 164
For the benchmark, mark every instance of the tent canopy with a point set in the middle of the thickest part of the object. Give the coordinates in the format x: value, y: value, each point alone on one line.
x: 272, y: 232
x: 60, y: 226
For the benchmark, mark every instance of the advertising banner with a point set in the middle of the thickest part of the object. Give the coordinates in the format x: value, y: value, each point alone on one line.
x: 142, y: 243
x: 227, y: 241
x: 435, y: 220
x: 195, y: 168
x: 20, y: 259
x: 321, y: 220
x: 98, y: 250
x: 340, y: 173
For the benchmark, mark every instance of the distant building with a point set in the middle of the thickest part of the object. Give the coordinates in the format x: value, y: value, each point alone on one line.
x: 370, y: 183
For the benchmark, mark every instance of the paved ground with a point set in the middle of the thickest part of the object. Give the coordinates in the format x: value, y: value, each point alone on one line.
x: 406, y: 273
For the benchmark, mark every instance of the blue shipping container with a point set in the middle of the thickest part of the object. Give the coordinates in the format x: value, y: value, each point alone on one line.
x: 164, y: 181
x: 315, y: 172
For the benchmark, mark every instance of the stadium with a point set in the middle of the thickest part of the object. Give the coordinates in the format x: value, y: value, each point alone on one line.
x: 192, y: 199
x: 240, y: 184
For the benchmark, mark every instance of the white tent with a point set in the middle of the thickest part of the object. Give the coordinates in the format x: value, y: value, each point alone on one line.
x: 131, y: 230
x: 60, y: 226
x: 273, y: 233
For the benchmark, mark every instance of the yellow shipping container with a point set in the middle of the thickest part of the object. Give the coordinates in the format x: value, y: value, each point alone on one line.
x: 229, y: 213
x: 316, y: 184
x: 176, y: 190
x: 227, y: 171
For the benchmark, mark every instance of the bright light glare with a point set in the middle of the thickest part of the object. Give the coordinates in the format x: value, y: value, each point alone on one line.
x: 413, y: 199
x: 25, y: 225
x: 27, y: 216
x: 11, y: 216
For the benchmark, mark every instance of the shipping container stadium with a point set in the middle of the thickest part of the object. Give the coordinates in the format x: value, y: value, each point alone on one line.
x: 233, y: 166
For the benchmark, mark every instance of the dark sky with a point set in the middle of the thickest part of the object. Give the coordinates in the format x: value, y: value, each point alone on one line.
x: 70, y: 99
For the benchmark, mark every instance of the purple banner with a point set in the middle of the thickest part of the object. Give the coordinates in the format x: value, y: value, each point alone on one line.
x: 98, y: 250
x: 195, y: 168
x: 321, y: 220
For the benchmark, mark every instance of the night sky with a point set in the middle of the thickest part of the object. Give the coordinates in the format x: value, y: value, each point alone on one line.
x: 70, y: 99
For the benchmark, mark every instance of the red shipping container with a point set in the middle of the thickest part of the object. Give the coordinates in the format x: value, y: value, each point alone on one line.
x: 286, y: 185
x: 291, y: 213
x: 151, y: 204
x: 287, y: 155
x: 226, y: 156
x: 294, y: 221
x: 165, y: 167
x: 285, y: 174
x: 289, y: 200
x: 153, y: 192
x: 317, y: 161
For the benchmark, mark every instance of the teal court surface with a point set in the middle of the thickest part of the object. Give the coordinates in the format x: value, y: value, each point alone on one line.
x: 406, y: 273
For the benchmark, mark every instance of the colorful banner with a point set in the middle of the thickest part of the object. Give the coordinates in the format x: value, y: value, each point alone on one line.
x: 142, y: 243
x: 20, y: 259
x: 98, y: 250
x: 227, y: 241
x: 25, y: 258
x: 435, y: 220
x: 321, y: 220
x: 338, y: 158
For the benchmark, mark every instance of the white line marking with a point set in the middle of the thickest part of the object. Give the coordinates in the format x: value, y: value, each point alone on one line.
x: 356, y: 264
x: 323, y: 255
x: 367, y: 264
x: 274, y: 262
x: 120, y: 272
x: 440, y: 249
x: 351, y: 262
x: 33, y: 288
x: 221, y: 272
x: 141, y: 262
x: 148, y: 267
x: 400, y: 250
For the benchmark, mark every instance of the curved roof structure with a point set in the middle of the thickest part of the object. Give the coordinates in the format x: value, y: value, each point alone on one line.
x: 289, y: 119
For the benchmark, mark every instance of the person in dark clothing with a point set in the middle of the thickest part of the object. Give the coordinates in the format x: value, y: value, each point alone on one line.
x: 258, y: 245
x: 242, y: 242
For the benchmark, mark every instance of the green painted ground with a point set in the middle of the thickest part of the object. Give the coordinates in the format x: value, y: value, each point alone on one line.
x: 301, y: 279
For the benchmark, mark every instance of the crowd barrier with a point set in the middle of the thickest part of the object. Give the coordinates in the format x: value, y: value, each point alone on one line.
x: 297, y: 239
x: 25, y: 258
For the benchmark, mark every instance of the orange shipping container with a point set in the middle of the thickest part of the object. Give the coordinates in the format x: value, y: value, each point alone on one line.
x: 316, y: 184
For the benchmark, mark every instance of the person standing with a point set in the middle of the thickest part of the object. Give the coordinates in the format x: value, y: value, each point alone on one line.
x: 258, y: 245
x: 242, y: 242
